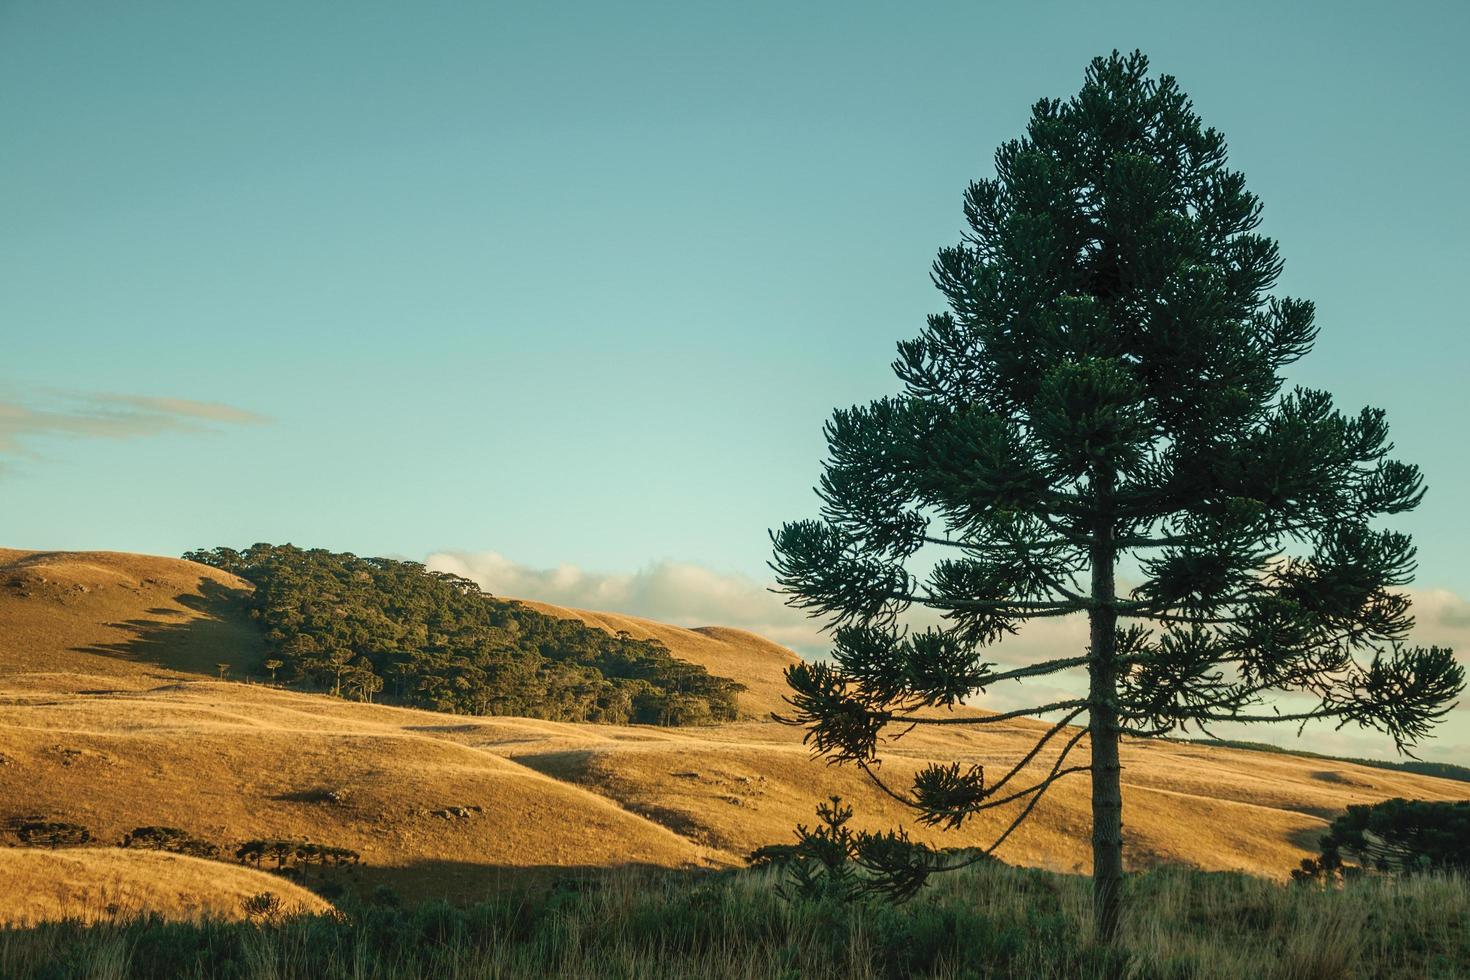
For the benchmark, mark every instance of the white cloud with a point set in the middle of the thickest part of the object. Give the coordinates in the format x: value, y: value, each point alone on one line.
x: 1442, y: 618
x: 673, y: 592
x: 685, y: 594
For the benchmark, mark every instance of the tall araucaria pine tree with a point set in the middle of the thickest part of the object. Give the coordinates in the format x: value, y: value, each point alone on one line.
x: 1106, y: 389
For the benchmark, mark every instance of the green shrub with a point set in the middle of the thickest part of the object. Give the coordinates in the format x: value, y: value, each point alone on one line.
x: 1396, y: 836
x: 264, y: 906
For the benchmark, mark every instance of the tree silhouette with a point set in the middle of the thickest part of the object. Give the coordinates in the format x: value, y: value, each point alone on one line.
x: 1104, y: 396
x: 170, y: 839
x: 295, y: 853
x: 273, y: 665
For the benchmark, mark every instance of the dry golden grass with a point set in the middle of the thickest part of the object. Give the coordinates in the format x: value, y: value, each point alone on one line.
x: 109, y: 717
x: 753, y: 660
x: 96, y: 883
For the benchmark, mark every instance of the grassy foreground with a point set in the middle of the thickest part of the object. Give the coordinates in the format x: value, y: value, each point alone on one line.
x: 993, y: 921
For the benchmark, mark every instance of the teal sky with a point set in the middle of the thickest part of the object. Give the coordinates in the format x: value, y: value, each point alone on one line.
x: 581, y: 282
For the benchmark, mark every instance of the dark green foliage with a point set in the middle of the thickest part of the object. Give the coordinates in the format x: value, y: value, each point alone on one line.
x: 1326, y: 868
x: 383, y: 895
x: 1395, y: 836
x: 264, y: 906
x: 832, y: 861
x: 15, y: 821
x: 823, y: 863
x: 1105, y: 388
x: 358, y: 626
x: 771, y: 856
x: 52, y: 834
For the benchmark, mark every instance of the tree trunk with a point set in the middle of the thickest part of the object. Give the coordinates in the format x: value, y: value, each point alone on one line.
x: 1107, y: 796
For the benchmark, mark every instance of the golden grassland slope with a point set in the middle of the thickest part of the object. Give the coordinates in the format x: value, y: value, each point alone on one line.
x: 119, y: 615
x: 92, y: 883
x: 753, y: 660
x: 110, y: 717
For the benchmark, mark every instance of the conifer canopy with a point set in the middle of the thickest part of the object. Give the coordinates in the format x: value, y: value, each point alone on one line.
x: 1104, y: 398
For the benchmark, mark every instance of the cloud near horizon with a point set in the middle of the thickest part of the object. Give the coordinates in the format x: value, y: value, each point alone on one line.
x: 679, y: 593
x: 686, y: 594
x: 110, y: 416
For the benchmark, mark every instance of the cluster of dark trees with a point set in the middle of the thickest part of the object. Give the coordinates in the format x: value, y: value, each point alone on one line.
x: 35, y: 831
x: 170, y: 839
x: 369, y: 627
x: 52, y: 834
x: 298, y: 853
x: 1395, y: 836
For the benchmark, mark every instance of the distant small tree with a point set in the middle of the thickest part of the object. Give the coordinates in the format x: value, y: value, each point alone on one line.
x: 282, y: 850
x: 251, y: 852
x: 1105, y: 394
x: 273, y: 666
x: 223, y: 670
x: 360, y: 682
x: 336, y: 661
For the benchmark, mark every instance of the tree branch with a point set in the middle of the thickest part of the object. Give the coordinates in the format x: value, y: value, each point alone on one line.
x: 1056, y: 774
x: 1301, y: 716
x: 999, y: 605
x: 1047, y: 667
x: 988, y: 719
x: 1049, y: 545
x: 1036, y: 749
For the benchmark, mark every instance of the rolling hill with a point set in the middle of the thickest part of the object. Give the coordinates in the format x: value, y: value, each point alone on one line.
x: 113, y: 716
x: 90, y: 883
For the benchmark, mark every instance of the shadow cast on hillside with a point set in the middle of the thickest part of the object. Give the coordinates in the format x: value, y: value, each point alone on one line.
x: 568, y: 765
x: 1307, y: 838
x: 219, y: 632
x: 466, y: 881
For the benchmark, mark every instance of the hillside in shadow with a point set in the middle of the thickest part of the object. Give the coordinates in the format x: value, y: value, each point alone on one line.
x: 208, y: 627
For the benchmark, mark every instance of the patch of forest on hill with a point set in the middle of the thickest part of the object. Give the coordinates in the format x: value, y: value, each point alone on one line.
x: 361, y: 627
